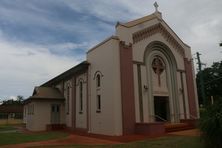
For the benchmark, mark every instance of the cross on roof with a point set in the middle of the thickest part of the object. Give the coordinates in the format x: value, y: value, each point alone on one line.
x: 156, y: 6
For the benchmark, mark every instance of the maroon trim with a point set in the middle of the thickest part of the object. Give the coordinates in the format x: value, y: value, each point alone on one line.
x: 190, y: 87
x: 150, y: 129
x: 127, y: 88
x: 52, y: 127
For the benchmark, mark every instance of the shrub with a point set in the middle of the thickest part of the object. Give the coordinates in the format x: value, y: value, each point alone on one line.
x: 211, y: 125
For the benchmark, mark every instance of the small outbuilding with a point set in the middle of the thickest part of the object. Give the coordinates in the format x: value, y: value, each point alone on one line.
x: 44, y: 109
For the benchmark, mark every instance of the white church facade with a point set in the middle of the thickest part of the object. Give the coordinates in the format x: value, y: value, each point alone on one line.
x: 142, y: 76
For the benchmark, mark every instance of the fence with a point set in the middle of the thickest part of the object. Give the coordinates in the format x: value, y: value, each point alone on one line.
x: 11, y: 118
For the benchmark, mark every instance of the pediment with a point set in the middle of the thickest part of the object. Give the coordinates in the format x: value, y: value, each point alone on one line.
x: 158, y: 28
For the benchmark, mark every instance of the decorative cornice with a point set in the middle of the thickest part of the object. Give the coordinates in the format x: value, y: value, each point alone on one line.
x: 158, y: 28
x: 124, y: 45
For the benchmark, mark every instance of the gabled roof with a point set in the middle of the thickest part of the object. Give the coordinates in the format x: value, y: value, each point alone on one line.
x: 65, y: 75
x: 140, y: 20
x: 45, y: 93
x: 155, y: 15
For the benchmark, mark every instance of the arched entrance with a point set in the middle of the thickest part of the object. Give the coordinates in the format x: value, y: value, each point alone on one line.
x: 163, y: 104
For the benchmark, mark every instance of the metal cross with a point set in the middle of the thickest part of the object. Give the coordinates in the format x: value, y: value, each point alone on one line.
x: 156, y: 6
x: 158, y: 68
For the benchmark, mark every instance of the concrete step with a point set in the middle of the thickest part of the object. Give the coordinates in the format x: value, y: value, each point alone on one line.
x: 173, y: 127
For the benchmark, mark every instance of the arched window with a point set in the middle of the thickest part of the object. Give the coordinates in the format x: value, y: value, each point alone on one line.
x: 80, y: 96
x: 67, y: 99
x: 98, y: 80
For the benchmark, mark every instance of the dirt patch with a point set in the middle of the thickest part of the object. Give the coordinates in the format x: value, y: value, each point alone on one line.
x: 193, y: 132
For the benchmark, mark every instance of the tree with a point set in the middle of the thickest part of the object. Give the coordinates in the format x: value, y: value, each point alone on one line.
x: 19, y: 100
x: 213, y: 81
x: 211, y: 125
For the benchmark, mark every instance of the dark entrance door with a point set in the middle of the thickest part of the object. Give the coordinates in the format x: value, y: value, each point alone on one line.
x: 55, y: 114
x: 161, y: 106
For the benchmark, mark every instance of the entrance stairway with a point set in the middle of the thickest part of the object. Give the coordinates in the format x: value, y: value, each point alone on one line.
x: 173, y: 127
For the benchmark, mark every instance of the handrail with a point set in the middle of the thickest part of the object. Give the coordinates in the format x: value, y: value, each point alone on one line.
x: 160, y: 118
x: 194, y: 117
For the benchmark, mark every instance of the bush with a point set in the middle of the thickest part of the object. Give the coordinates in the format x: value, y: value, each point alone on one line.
x: 211, y: 125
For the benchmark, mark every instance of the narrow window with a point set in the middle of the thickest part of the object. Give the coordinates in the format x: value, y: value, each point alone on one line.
x: 33, y: 109
x: 28, y: 109
x: 98, y: 82
x: 80, y: 96
x: 68, y: 95
x: 98, y: 104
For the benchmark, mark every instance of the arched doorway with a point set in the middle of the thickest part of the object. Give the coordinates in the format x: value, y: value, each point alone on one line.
x: 161, y: 67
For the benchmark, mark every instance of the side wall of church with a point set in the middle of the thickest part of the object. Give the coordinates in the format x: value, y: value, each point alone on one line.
x: 104, y: 61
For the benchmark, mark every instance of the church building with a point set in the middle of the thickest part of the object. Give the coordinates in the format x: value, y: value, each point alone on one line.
x: 132, y: 82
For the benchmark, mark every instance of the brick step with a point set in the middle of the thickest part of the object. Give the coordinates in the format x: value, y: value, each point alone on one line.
x: 173, y: 127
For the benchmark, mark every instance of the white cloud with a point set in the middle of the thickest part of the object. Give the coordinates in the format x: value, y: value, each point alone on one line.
x: 24, y: 66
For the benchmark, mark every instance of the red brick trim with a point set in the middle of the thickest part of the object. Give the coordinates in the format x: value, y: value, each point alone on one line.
x: 190, y: 87
x: 150, y: 129
x: 127, y: 88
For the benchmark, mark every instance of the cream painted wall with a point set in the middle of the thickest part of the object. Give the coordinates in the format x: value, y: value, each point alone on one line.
x: 136, y: 93
x: 30, y: 117
x: 105, y: 59
x: 186, y: 96
x: 140, y: 47
x: 145, y: 94
x: 125, y: 34
x: 180, y: 95
x: 81, y: 116
x: 25, y: 114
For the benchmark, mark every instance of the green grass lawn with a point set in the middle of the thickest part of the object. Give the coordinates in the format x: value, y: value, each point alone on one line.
x: 164, y: 142
x: 16, y: 137
x: 6, y: 128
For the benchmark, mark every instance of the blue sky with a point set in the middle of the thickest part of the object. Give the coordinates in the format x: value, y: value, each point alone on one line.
x: 40, y: 39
